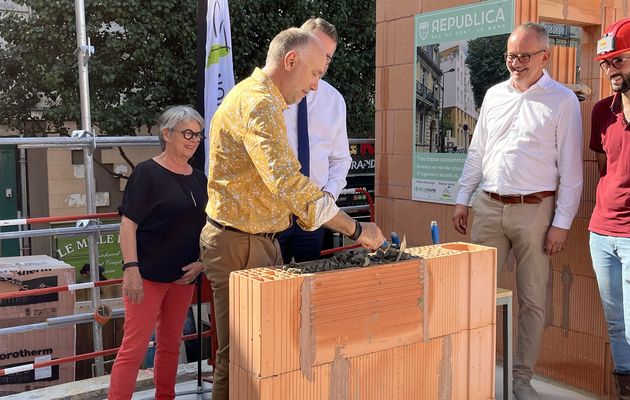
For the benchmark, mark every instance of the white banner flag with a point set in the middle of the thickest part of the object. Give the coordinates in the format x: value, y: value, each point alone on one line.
x: 219, y: 71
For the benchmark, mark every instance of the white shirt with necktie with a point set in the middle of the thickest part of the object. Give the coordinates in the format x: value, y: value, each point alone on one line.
x: 527, y: 142
x: 327, y: 137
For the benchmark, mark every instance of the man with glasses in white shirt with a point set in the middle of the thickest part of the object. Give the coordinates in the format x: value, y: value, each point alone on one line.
x: 327, y: 152
x: 526, y: 157
x: 610, y: 221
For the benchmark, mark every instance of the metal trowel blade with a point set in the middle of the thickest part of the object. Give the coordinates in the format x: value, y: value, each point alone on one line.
x: 403, y: 246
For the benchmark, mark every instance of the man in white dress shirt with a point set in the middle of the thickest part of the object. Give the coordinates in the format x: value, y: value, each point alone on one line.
x: 328, y: 146
x: 526, y: 157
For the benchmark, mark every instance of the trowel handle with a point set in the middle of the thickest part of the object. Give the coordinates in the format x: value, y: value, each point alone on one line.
x: 395, y: 239
x: 435, y: 232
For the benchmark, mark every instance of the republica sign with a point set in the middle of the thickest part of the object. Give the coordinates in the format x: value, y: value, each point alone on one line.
x: 481, y: 19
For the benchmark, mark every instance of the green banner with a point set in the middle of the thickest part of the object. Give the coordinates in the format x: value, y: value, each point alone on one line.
x: 73, y: 250
x: 445, y: 113
x: 487, y: 18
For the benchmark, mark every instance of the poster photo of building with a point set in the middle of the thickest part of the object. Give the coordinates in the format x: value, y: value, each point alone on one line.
x: 458, y: 56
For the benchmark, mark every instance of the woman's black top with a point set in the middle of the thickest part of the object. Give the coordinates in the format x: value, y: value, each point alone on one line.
x: 169, y: 209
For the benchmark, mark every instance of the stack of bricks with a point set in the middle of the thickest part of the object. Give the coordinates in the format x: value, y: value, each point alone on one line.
x: 422, y: 328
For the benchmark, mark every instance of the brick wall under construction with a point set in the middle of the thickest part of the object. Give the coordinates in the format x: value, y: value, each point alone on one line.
x: 422, y: 328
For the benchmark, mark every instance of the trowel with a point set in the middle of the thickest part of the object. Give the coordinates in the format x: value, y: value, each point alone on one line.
x: 396, y: 246
x: 401, y: 249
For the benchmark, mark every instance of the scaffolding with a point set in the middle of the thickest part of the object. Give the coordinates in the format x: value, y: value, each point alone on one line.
x: 93, y: 229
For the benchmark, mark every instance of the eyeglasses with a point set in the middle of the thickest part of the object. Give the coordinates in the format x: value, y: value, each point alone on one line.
x: 328, y: 59
x: 189, y: 135
x: 616, y: 62
x: 522, y: 58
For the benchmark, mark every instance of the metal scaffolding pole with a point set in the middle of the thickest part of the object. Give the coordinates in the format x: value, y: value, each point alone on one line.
x: 25, y: 245
x: 67, y: 142
x: 67, y: 231
x: 84, y: 51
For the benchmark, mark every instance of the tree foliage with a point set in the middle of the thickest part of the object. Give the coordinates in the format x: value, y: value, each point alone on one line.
x: 255, y: 23
x: 145, y: 57
x: 144, y: 60
x: 486, y: 64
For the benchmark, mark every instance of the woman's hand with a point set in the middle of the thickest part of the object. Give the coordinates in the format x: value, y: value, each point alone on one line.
x: 191, y: 271
x: 132, y: 285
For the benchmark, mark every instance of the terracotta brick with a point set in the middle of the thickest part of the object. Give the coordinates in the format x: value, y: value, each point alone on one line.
x: 585, y: 210
x: 585, y: 109
x: 448, y: 232
x: 380, y: 136
x: 587, y: 12
x: 576, y: 255
x: 577, y: 305
x: 574, y: 358
x: 381, y: 171
x: 381, y: 190
x: 384, y: 208
x: 381, y: 44
x: 563, y: 64
x: 392, y: 191
x: 403, y: 125
x: 525, y: 10
x: 381, y: 87
x: 281, y: 322
x: 390, y: 43
x: 436, y: 5
x: 399, y: 170
x: 466, y: 277
x: 414, y: 218
x: 290, y: 386
x: 392, y: 10
x: 404, y: 41
x: 400, y: 87
x: 385, y: 10
x: 458, y: 366
x: 360, y: 311
x: 258, y: 343
x: 400, y: 191
x: 591, y: 178
x: 385, y: 122
x: 609, y: 389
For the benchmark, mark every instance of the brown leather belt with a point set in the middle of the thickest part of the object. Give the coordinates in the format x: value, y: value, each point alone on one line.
x: 532, y: 198
x: 232, y: 229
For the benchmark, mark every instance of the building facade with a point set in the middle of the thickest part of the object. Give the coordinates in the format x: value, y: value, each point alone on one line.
x: 460, y: 113
x: 428, y: 98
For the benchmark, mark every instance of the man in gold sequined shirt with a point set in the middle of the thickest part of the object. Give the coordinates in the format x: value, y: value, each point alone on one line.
x: 254, y: 180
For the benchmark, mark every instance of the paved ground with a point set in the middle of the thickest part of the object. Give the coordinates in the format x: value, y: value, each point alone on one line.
x: 547, y: 390
x: 96, y: 388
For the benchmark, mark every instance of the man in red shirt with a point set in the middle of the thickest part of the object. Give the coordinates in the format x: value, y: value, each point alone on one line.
x: 610, y: 221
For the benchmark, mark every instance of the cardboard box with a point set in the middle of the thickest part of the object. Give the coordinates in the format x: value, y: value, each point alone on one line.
x: 34, y: 272
x: 24, y: 348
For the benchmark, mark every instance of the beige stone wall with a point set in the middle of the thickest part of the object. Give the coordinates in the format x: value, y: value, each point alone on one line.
x: 66, y: 183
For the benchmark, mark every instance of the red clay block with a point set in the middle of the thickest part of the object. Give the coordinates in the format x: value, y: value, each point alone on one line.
x: 286, y: 327
x: 576, y: 255
x: 577, y: 305
x: 404, y: 41
x: 359, y: 311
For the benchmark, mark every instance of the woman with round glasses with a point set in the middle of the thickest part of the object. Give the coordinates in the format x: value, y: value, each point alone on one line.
x: 163, y: 212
